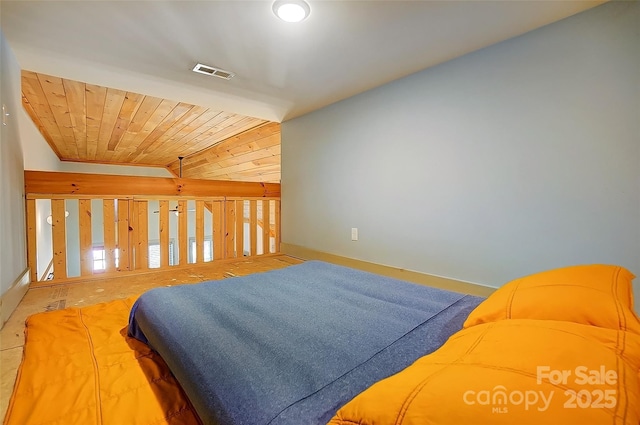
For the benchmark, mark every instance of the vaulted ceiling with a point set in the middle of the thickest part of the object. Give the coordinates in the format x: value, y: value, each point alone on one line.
x: 128, y: 64
x: 90, y: 123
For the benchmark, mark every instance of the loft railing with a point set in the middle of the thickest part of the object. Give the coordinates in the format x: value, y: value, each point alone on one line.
x: 97, y: 224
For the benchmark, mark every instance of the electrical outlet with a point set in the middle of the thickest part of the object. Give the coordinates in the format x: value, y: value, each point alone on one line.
x: 354, y: 233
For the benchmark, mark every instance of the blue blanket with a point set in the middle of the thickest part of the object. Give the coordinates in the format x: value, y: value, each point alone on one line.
x: 291, y: 346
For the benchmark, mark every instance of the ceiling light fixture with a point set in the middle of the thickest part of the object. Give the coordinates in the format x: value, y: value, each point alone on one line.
x: 291, y: 10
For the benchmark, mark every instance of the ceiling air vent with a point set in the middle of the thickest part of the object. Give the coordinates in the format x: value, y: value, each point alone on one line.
x: 210, y: 70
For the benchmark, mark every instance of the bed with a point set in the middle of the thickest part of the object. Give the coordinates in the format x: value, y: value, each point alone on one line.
x: 318, y: 343
x: 292, y: 346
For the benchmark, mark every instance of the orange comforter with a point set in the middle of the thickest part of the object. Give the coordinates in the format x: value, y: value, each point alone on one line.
x: 558, y: 347
x: 79, y: 367
x: 524, y: 372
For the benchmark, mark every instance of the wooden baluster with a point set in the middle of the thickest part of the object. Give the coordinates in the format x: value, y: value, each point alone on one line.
x: 32, y: 246
x: 58, y: 222
x: 142, y: 235
x: 108, y: 213
x: 276, y: 203
x: 164, y: 234
x: 230, y: 228
x: 199, y: 231
x: 266, y: 226
x: 218, y: 230
x: 86, y: 243
x: 253, y: 226
x: 240, y: 228
x: 183, y: 237
x: 123, y: 234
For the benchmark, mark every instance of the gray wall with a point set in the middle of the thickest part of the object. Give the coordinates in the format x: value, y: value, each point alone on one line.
x: 13, y: 257
x: 520, y: 157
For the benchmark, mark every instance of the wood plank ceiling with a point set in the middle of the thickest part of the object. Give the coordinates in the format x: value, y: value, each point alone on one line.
x: 89, y: 123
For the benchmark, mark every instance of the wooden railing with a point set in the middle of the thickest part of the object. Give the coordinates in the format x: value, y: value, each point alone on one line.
x: 103, y: 224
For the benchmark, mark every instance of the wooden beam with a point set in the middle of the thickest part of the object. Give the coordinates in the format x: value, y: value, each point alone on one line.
x: 56, y: 183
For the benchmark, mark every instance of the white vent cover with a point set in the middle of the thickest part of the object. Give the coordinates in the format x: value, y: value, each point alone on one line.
x: 210, y: 70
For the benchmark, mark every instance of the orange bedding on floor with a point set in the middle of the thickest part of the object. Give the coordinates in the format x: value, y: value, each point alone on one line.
x: 79, y: 367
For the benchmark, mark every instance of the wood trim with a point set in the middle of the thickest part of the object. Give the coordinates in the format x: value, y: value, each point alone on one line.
x: 123, y: 163
x: 394, y: 272
x: 12, y: 297
x: 82, y: 279
x: 101, y: 185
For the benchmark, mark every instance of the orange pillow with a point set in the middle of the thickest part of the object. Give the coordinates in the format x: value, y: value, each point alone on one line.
x: 524, y: 372
x: 598, y: 295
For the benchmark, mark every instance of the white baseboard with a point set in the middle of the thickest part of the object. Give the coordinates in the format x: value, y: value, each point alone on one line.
x: 10, y: 299
x: 397, y: 273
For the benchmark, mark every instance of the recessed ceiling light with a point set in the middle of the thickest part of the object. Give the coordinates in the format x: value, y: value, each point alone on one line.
x: 291, y: 10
